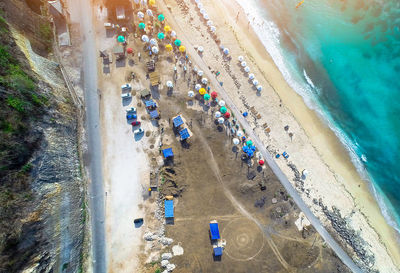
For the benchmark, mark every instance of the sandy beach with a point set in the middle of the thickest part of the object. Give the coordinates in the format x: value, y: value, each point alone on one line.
x: 313, y: 147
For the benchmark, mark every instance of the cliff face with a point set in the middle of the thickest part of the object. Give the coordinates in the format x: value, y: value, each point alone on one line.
x: 42, y: 208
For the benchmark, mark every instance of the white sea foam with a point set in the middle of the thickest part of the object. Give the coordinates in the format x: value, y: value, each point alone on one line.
x: 268, y: 33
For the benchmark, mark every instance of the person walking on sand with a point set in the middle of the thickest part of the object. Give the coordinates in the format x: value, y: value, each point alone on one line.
x: 237, y: 16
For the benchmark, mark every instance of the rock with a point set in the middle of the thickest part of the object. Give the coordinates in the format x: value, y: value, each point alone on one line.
x: 170, y: 267
x: 278, y: 210
x: 166, y: 241
x: 274, y: 200
x: 164, y: 263
x: 148, y: 236
x: 166, y: 256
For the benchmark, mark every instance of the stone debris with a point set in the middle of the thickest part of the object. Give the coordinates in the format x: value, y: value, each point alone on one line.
x: 170, y: 267
x: 177, y: 250
x: 149, y: 236
x: 166, y: 256
x: 166, y: 241
x: 164, y: 263
x: 274, y: 200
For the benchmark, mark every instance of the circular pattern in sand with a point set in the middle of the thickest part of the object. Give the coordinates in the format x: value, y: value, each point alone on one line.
x: 244, y: 240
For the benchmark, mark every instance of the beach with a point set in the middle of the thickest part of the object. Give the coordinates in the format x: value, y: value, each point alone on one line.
x: 314, y: 146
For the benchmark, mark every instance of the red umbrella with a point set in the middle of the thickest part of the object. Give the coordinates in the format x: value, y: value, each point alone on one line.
x: 261, y: 162
x: 129, y: 50
x: 214, y: 94
x: 227, y: 115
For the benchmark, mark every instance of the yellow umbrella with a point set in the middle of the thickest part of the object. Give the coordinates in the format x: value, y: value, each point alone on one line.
x: 152, y: 2
x: 202, y: 91
x: 168, y: 47
x: 182, y: 48
x: 167, y: 28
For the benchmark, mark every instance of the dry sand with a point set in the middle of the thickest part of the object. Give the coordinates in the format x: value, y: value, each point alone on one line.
x: 314, y: 146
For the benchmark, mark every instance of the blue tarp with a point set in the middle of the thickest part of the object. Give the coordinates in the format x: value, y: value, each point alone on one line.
x: 154, y: 114
x: 150, y: 103
x: 177, y: 121
x: 168, y: 152
x: 184, y: 134
x: 214, y: 231
x: 169, y: 208
x: 217, y: 251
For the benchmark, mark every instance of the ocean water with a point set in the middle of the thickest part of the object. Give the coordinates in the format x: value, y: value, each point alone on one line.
x: 343, y: 58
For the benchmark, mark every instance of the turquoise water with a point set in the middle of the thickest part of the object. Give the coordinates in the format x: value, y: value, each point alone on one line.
x: 343, y: 57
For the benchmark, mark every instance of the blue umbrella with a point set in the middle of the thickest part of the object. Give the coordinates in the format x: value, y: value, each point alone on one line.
x: 245, y: 149
x: 253, y: 148
x: 250, y: 153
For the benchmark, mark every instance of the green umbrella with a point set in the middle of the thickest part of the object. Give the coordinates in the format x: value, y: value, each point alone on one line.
x: 223, y: 110
x: 161, y: 17
x: 249, y: 143
x: 160, y: 35
x: 207, y: 96
x: 178, y: 42
x: 121, y: 39
x: 142, y: 25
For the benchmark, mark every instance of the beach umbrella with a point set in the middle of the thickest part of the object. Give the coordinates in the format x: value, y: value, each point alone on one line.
x: 197, y: 1
x: 221, y: 103
x: 190, y: 94
x: 235, y: 141
x: 240, y: 59
x: 249, y: 142
x: 217, y: 114
x: 142, y: 26
x: 178, y: 42
x: 207, y: 96
x: 226, y: 51
x: 149, y: 12
x: 140, y: 15
x: 173, y: 33
x: 136, y: 1
x: 213, y: 29
x: 223, y: 110
x: 251, y: 76
x: 304, y: 174
x: 243, y: 64
x: 259, y: 88
x: 261, y: 162
x: 239, y: 133
x: 200, y: 73
x: 152, y: 2
x: 170, y: 84
x: 200, y: 5
x: 167, y: 28
x: 245, y: 149
x: 200, y: 49
x: 182, y: 48
x: 202, y: 91
x: 143, y: 2
x: 160, y: 36
x: 153, y: 41
x: 154, y: 49
x: 168, y: 47
x: 161, y: 17
x: 247, y: 69
x: 121, y: 39
x: 129, y: 50
x: 255, y: 82
x: 205, y: 16
x: 145, y: 38
x: 210, y: 23
x: 202, y: 11
x: 214, y: 95
x: 221, y: 120
x: 195, y: 69
x: 227, y: 115
x: 204, y: 81
x: 197, y: 87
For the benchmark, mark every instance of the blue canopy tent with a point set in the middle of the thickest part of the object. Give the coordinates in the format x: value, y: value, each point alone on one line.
x: 154, y: 114
x: 184, y: 134
x: 168, y: 153
x: 169, y: 208
x: 214, y: 230
x: 177, y: 121
x: 218, y: 251
x: 150, y: 103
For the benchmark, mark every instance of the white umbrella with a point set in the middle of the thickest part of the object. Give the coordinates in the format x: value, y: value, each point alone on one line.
x: 304, y: 174
x: 149, y: 12
x: 200, y: 5
x: 259, y: 88
x: 221, y: 120
x: 240, y: 59
x: 251, y: 76
x: 197, y: 1
x: 206, y: 17
x: 197, y: 87
x: 195, y: 69
x: 204, y: 80
x: 154, y: 49
x: 200, y: 49
x: 170, y: 84
x: 191, y: 94
x: 173, y: 33
x: 213, y: 29
x: 200, y: 73
x: 255, y: 82
x: 235, y: 141
x: 247, y: 69
x: 140, y: 15
x: 218, y: 114
x: 202, y: 11
x: 153, y: 41
x: 136, y: 1
x: 244, y: 64
x: 145, y: 38
x: 239, y: 133
x: 209, y: 23
x: 143, y: 2
x: 221, y: 103
x: 226, y: 51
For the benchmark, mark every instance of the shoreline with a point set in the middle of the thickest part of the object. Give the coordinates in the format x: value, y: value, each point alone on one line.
x: 322, y: 138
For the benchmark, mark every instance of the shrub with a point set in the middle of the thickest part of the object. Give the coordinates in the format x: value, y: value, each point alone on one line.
x: 16, y: 103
